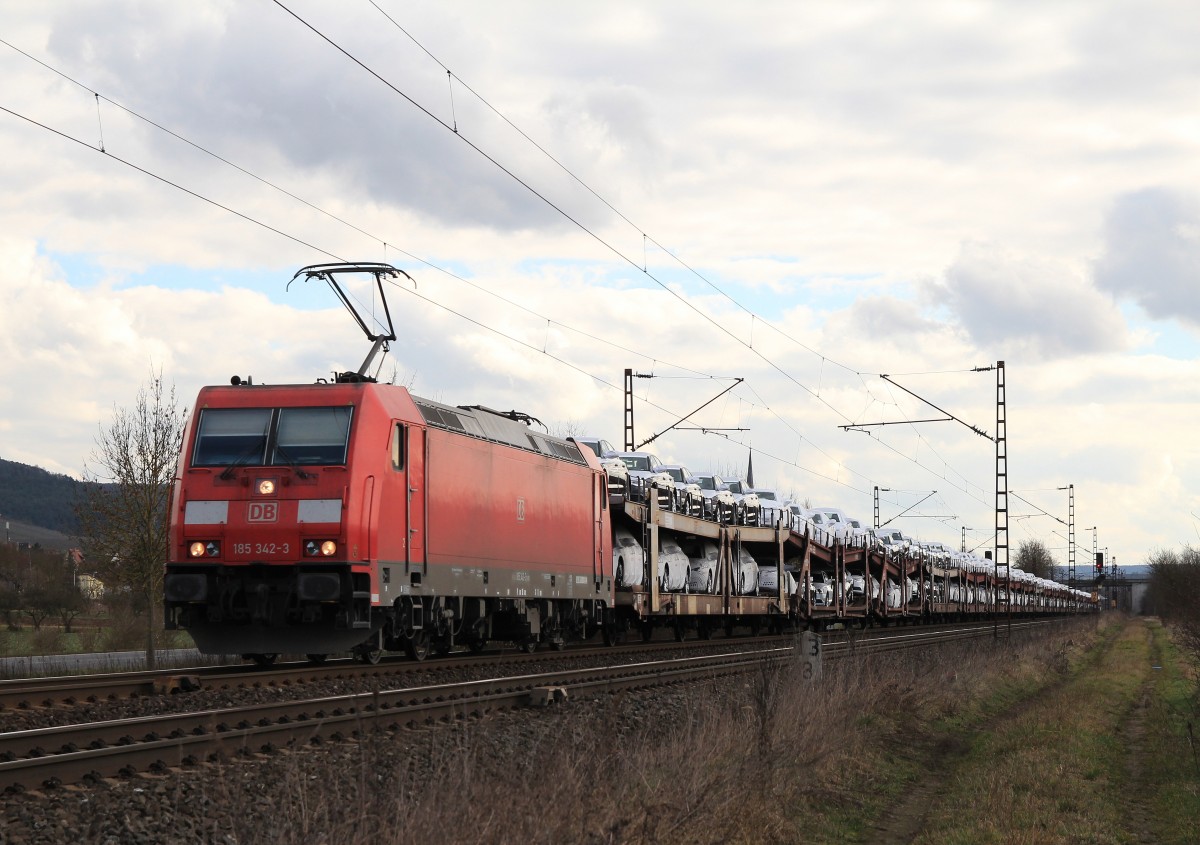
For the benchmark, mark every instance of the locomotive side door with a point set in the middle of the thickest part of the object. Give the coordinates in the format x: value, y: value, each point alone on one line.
x: 405, y: 499
x: 415, y: 500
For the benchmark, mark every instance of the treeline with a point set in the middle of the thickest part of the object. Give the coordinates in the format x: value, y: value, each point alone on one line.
x: 36, y: 585
x: 1174, y: 590
x: 31, y: 494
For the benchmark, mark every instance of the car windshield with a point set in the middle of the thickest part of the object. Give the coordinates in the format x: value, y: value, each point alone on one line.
x: 675, y: 472
x: 766, y: 494
x: 637, y: 462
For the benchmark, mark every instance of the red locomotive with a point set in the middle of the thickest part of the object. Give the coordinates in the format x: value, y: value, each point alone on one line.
x: 351, y: 515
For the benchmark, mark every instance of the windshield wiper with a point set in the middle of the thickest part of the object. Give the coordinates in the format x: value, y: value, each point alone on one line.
x: 291, y: 462
x: 256, y: 446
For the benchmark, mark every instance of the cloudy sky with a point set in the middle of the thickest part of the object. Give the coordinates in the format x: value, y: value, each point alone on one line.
x: 803, y: 195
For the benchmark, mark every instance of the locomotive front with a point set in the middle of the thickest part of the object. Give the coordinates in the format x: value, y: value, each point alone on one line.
x: 266, y: 556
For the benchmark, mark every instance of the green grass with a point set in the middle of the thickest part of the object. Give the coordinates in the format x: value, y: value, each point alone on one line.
x: 1080, y: 762
x: 1172, y: 784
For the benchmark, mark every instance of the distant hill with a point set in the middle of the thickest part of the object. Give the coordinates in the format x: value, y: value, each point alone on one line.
x: 17, y: 532
x: 38, y: 498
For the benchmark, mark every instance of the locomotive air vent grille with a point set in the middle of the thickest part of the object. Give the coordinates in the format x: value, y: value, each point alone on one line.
x: 440, y: 418
x: 564, y: 451
x: 552, y: 447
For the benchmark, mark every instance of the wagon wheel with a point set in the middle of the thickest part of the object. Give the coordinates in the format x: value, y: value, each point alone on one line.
x: 680, y: 631
x: 647, y: 632
x: 477, y: 644
x: 317, y: 659
x: 614, y: 634
x: 417, y: 646
x: 529, y: 645
x: 263, y: 659
x: 704, y: 630
x: 368, y: 655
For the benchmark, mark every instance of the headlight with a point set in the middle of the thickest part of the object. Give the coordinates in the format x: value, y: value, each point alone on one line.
x: 201, y: 549
x: 320, y: 548
x: 265, y: 486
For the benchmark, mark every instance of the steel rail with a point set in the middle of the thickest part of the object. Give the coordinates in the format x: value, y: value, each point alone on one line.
x: 52, y: 756
x: 28, y: 693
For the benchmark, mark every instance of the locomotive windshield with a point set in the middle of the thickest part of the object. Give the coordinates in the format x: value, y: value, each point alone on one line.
x: 272, y: 436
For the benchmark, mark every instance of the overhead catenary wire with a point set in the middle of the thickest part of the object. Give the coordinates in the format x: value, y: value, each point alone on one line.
x: 557, y: 208
x: 312, y: 246
x: 645, y: 237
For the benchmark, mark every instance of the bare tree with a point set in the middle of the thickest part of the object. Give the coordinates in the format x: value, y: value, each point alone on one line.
x: 1034, y: 558
x: 1174, y: 591
x: 123, y: 509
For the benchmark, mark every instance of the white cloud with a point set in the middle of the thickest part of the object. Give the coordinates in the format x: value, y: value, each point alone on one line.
x: 818, y: 162
x: 1013, y: 305
x: 1152, y: 253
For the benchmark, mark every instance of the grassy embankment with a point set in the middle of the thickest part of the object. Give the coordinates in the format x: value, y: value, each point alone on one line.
x: 1105, y: 756
x: 765, y: 758
x: 1067, y: 734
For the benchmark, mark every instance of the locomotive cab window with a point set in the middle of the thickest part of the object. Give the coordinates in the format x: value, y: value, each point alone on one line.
x: 398, y: 438
x: 232, y: 436
x: 311, y: 436
x: 236, y: 437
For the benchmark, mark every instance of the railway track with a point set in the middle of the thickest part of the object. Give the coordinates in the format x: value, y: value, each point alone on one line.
x: 27, y: 693
x: 49, y: 757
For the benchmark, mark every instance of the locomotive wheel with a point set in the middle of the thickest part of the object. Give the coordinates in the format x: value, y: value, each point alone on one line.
x: 262, y: 659
x: 317, y: 659
x: 417, y: 646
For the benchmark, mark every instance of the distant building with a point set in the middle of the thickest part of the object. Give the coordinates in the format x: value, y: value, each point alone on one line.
x: 90, y: 586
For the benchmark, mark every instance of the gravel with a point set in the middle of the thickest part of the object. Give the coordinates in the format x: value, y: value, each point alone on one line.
x: 324, y: 792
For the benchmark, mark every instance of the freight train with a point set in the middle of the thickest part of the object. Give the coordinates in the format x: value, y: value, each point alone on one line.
x: 351, y: 516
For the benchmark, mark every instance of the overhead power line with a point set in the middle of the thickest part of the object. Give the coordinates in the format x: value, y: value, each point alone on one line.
x: 510, y: 302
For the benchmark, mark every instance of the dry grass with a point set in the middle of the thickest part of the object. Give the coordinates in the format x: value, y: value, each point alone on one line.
x: 763, y: 758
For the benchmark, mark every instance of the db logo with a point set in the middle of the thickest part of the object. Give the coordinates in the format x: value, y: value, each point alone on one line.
x: 262, y: 512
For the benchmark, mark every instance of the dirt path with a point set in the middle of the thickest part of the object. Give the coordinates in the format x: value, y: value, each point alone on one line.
x: 905, y: 819
x: 940, y: 759
x: 1138, y: 814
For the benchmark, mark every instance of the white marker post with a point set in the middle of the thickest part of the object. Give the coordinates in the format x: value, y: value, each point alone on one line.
x: 810, y: 656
